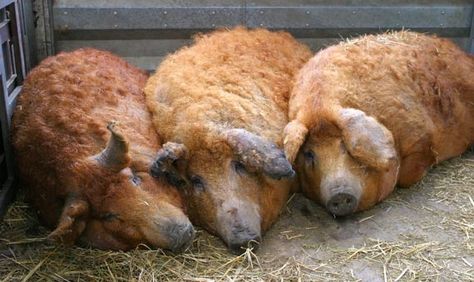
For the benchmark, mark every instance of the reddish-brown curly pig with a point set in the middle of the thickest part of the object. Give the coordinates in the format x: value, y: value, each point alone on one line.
x: 104, y: 199
x: 378, y: 110
x: 223, y: 103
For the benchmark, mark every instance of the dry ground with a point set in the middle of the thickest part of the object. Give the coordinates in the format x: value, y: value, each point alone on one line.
x: 425, y: 233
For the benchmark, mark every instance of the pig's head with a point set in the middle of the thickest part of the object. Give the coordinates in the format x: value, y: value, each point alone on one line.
x: 113, y: 203
x: 233, y: 184
x: 347, y: 161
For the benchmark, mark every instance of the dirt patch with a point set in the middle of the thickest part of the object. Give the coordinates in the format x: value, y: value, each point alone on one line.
x: 422, y: 233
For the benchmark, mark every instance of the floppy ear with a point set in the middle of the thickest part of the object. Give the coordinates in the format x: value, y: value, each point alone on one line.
x: 294, y: 136
x: 258, y: 154
x: 71, y: 222
x: 164, y: 164
x: 369, y: 141
x: 366, y: 138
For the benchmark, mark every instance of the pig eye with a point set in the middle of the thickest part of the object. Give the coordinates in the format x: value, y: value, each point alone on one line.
x: 198, y: 182
x: 342, y: 148
x: 239, y: 167
x: 309, y: 156
x: 136, y: 180
x: 109, y: 216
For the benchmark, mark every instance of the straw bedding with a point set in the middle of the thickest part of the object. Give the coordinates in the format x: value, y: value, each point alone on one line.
x: 422, y: 233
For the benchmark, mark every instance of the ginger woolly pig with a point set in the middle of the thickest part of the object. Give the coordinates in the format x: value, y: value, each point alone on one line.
x: 376, y: 111
x: 221, y: 104
x: 90, y: 184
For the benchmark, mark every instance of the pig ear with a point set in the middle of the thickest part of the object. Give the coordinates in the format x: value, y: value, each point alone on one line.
x: 115, y: 156
x: 294, y: 136
x: 165, y: 163
x: 258, y: 154
x: 367, y: 139
x: 71, y: 222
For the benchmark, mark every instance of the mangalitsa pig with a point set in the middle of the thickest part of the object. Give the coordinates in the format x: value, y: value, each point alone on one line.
x: 375, y: 111
x: 221, y: 106
x: 84, y: 178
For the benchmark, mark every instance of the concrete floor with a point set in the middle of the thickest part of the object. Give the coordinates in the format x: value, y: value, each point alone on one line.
x: 422, y: 233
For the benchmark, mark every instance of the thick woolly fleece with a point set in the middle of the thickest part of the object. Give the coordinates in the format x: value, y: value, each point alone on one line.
x: 420, y: 87
x: 227, y: 79
x: 60, y: 123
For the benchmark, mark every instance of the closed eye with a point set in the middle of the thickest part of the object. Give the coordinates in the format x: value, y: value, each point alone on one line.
x: 342, y: 148
x: 136, y: 180
x: 239, y: 167
x: 198, y: 183
x: 309, y: 157
x: 109, y: 216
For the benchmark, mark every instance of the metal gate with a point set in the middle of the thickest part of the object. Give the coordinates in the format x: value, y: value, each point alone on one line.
x: 12, y: 73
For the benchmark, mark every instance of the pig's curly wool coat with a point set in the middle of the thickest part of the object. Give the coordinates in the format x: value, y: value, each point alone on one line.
x: 236, y: 78
x: 420, y: 87
x: 247, y: 73
x: 60, y: 122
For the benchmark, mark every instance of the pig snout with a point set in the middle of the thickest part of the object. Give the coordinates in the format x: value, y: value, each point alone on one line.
x: 342, y: 204
x: 182, y: 237
x: 240, y: 228
x: 243, y: 238
x: 342, y: 200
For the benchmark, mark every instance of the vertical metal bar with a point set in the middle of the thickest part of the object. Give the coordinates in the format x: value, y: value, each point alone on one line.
x: 7, y: 191
x: 49, y: 25
x: 44, y: 29
x: 3, y: 98
x: 471, y: 35
x: 243, y: 12
x: 28, y: 33
x: 17, y: 40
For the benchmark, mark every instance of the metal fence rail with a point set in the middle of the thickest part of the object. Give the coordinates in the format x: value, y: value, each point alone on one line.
x: 144, y: 31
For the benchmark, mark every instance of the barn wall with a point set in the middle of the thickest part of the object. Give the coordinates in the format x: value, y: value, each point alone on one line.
x: 144, y: 31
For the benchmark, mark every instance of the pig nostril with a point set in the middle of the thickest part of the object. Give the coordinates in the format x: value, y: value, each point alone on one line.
x: 232, y: 211
x: 342, y: 204
x: 183, y: 236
